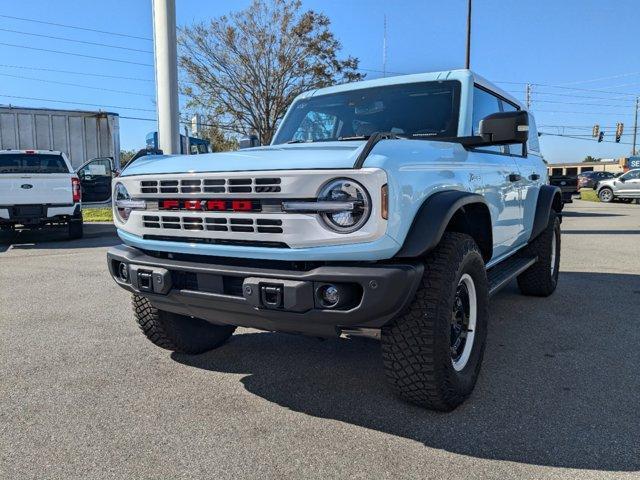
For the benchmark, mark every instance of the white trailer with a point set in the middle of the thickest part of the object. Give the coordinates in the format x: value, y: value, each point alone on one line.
x: 79, y: 134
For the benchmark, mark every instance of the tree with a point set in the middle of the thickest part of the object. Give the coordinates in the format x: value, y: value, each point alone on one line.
x: 125, y: 156
x: 220, y: 140
x: 246, y: 68
x: 589, y: 158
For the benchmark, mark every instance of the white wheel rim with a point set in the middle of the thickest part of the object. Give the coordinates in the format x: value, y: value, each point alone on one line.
x: 606, y: 195
x: 460, y: 360
x: 554, y: 242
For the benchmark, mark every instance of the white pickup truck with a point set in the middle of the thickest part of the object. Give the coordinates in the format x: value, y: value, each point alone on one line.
x: 39, y: 188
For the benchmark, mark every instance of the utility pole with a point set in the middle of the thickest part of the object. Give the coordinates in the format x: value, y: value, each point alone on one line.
x: 166, y: 62
x: 468, y: 61
x: 635, y: 127
x: 384, y: 48
x: 527, y: 96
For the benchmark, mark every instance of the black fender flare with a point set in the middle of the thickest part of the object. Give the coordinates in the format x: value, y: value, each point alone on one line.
x: 549, y: 198
x: 434, y: 216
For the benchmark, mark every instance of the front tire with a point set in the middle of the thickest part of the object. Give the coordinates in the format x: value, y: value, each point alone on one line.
x: 606, y: 195
x: 541, y: 278
x: 432, y: 354
x: 178, y: 333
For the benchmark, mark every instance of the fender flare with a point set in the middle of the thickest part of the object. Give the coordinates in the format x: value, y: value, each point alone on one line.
x: 432, y: 219
x: 549, y: 197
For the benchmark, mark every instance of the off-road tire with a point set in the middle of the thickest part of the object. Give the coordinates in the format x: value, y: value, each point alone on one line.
x: 416, y: 346
x: 540, y: 279
x: 178, y: 333
x: 607, y: 197
x: 76, y: 229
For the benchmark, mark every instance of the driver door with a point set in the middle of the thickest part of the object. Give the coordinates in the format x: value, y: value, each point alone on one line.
x: 95, y: 179
x: 631, y: 184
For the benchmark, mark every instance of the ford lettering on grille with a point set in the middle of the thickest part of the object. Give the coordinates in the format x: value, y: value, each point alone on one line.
x: 211, y: 205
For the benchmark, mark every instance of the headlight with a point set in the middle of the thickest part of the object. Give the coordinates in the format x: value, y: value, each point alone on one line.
x: 123, y: 205
x: 350, y: 191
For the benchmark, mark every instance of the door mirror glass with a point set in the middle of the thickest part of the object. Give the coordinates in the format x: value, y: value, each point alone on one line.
x: 504, y: 128
x: 95, y: 180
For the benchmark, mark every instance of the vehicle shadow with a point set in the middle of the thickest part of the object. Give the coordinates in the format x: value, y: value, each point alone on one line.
x: 95, y: 235
x: 559, y: 385
x: 573, y: 213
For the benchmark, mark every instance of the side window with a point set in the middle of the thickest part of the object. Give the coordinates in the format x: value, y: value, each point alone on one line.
x: 632, y: 175
x: 484, y: 104
x: 316, y: 126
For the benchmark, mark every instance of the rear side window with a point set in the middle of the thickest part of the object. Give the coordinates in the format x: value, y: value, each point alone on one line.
x: 32, y: 163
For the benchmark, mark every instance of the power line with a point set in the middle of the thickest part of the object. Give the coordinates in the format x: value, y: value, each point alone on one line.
x: 127, y: 92
x: 69, y: 72
x: 581, y: 103
x: 601, y: 78
x: 78, y: 103
x: 84, y: 42
x: 575, y: 137
x: 581, y: 113
x: 77, y: 54
x: 76, y: 27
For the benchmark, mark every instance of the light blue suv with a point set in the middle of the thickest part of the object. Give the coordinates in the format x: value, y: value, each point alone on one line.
x: 394, y: 206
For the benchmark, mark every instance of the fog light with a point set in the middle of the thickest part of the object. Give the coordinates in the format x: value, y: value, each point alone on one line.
x: 329, y: 296
x: 123, y: 271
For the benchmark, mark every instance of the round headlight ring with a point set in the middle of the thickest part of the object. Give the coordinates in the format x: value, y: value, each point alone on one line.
x: 346, y: 190
x: 121, y: 193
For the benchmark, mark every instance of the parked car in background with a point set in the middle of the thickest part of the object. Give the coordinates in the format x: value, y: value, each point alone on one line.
x: 591, y: 179
x: 568, y: 184
x: 39, y: 188
x: 626, y: 187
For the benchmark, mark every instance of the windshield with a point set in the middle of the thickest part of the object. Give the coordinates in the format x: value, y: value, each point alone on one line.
x: 32, y: 163
x: 427, y: 109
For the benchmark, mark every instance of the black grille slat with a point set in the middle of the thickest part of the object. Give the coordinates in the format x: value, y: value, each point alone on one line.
x: 239, y: 181
x: 241, y: 221
x: 239, y: 189
x: 241, y: 229
x: 268, y: 221
x: 268, y: 181
x: 269, y: 230
x: 149, y: 190
x: 268, y: 189
x: 190, y: 183
x: 218, y: 228
x: 190, y: 189
x: 214, y: 181
x: 213, y: 189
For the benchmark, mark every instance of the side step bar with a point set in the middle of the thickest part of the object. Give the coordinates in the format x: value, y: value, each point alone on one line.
x: 507, y: 270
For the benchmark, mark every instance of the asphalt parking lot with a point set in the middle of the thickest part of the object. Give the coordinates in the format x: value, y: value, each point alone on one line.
x: 85, y: 395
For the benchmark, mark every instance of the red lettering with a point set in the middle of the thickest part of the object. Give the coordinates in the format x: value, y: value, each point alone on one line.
x: 241, y: 205
x: 170, y: 204
x: 192, y: 205
x: 219, y: 205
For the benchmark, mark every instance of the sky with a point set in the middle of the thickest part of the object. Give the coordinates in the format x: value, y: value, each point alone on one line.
x: 579, y: 55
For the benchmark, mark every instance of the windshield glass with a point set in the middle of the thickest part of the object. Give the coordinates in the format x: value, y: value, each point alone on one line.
x: 32, y: 163
x: 427, y: 109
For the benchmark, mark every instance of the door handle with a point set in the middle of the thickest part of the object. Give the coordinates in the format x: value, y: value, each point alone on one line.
x: 534, y: 176
x: 515, y: 177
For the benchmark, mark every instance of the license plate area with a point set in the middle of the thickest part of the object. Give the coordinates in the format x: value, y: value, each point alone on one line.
x: 28, y: 211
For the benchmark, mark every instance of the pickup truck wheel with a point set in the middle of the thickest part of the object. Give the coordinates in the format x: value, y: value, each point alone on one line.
x: 75, y: 229
x: 433, y: 352
x: 606, y: 195
x: 178, y: 333
x: 541, y: 278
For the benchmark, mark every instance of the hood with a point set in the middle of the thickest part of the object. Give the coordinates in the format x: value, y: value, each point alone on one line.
x: 321, y: 155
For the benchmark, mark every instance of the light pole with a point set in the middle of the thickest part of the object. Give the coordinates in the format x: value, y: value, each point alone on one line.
x: 635, y: 127
x: 166, y: 62
x: 468, y: 61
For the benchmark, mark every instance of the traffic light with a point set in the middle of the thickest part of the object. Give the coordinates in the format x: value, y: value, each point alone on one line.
x: 619, y: 130
x: 596, y: 130
x: 600, y: 137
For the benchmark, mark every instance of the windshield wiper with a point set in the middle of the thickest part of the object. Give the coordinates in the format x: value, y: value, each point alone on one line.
x: 300, y: 141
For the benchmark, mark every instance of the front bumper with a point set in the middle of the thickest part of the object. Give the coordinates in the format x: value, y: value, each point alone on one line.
x: 235, y: 295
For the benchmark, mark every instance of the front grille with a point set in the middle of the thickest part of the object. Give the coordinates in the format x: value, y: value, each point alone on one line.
x: 212, y: 185
x: 214, y: 224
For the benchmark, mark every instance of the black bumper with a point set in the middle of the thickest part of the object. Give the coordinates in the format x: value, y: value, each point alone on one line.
x: 269, y: 298
x: 37, y: 215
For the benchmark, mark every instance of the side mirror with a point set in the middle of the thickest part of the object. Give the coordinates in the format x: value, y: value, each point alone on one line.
x: 249, y: 142
x: 621, y: 179
x: 504, y: 128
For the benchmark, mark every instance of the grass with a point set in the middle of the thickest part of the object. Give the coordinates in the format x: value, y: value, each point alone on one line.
x: 97, y: 215
x: 589, y: 195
